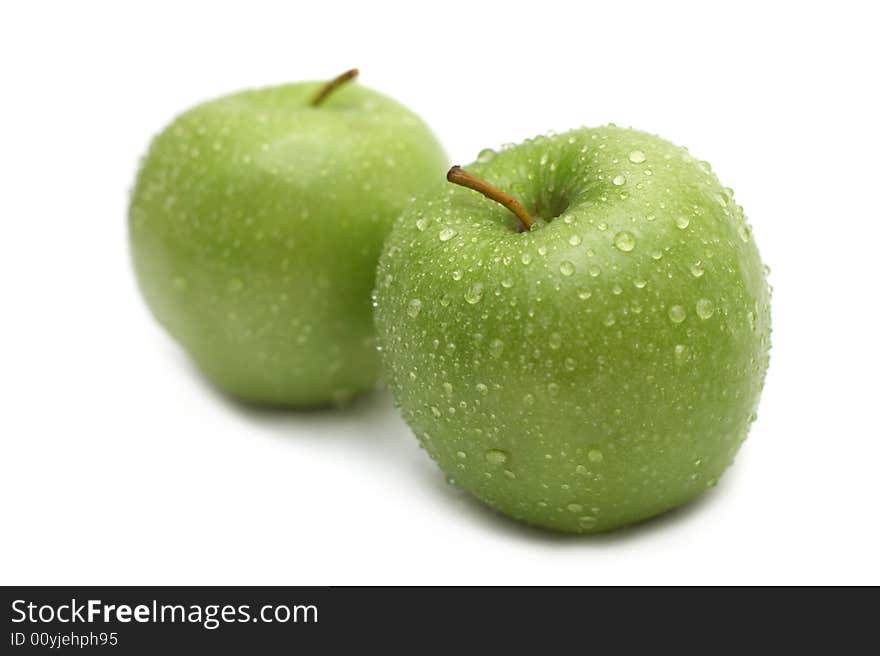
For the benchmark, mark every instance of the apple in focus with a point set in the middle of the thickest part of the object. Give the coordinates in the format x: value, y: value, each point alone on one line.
x: 597, y: 369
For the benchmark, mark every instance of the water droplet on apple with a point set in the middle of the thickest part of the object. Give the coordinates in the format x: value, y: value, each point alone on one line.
x: 456, y: 275
x: 594, y: 270
x: 682, y: 222
x: 697, y: 269
x: 637, y: 157
x: 575, y: 508
x: 705, y: 308
x: 640, y: 283
x: 584, y: 294
x: 566, y: 268
x: 677, y: 314
x: 474, y: 294
x: 482, y: 389
x: 496, y: 457
x: 414, y: 307
x: 595, y: 456
x: 423, y: 223
x: 461, y: 455
x: 624, y: 241
x: 618, y: 180
x: 609, y: 320
x: 542, y: 250
x: 679, y: 351
x: 580, y: 469
x: 569, y: 364
x: 486, y: 155
x: 435, y: 411
x: 447, y: 233
x: 587, y: 521
x: 496, y: 348
x: 555, y: 340
x: 528, y: 399
x: 445, y: 300
x: 507, y: 283
x: 526, y: 258
x: 574, y: 240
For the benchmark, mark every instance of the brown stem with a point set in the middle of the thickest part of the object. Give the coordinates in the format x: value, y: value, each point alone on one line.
x: 459, y: 176
x: 332, y: 85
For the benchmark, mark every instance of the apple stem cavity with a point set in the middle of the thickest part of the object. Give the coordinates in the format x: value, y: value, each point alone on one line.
x: 459, y: 176
x: 334, y: 84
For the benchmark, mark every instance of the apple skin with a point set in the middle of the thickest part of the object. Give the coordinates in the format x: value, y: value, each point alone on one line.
x: 595, y: 371
x: 255, y: 225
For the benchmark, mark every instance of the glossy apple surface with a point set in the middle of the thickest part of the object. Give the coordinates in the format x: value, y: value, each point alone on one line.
x: 599, y: 369
x: 255, y: 225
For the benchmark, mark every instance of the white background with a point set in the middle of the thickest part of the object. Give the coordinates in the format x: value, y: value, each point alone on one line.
x: 120, y: 465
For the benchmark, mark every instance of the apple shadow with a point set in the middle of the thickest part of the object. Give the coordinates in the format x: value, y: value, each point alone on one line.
x: 368, y: 425
x: 373, y: 427
x: 365, y: 418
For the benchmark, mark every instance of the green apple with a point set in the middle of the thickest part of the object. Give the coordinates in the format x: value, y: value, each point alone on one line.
x: 603, y: 366
x: 255, y: 225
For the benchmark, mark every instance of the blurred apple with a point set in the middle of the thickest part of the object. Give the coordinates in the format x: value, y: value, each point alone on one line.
x: 255, y: 226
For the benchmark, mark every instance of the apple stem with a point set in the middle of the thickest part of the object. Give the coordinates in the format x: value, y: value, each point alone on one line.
x: 332, y: 85
x: 459, y: 176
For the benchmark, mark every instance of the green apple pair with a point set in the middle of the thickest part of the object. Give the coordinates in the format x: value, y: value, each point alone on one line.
x: 582, y: 344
